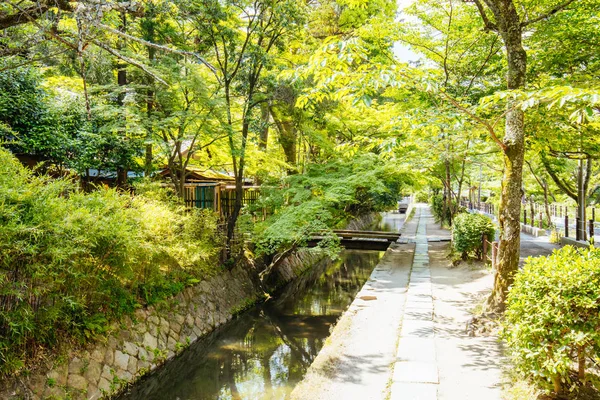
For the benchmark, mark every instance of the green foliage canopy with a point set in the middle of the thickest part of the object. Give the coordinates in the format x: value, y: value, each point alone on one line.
x: 325, y: 197
x: 70, y: 262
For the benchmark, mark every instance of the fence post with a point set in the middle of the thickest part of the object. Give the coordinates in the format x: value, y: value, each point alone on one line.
x: 540, y: 221
x: 566, y: 225
x: 494, y: 253
x: 484, y: 255
x: 591, y: 228
x: 524, y: 216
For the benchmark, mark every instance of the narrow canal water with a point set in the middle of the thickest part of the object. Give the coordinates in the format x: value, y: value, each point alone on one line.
x: 266, y: 351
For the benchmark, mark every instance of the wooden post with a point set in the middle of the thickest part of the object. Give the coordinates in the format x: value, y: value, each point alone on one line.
x: 540, y: 221
x: 494, y: 253
x: 566, y: 225
x: 217, y: 199
x: 524, y: 216
x: 484, y: 254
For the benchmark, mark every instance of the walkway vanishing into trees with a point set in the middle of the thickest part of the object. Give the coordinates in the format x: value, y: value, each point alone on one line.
x: 409, y: 327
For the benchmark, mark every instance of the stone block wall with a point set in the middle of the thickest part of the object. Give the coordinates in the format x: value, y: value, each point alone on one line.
x: 139, y: 344
x: 365, y: 221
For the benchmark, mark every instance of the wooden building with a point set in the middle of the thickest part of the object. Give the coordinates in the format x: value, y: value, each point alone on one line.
x: 213, y: 190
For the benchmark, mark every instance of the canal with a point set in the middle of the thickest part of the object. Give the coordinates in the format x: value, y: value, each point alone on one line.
x: 266, y: 351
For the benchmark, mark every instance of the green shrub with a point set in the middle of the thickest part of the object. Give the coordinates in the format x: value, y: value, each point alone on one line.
x: 555, y: 235
x: 422, y: 196
x: 437, y: 208
x: 467, y: 234
x: 71, y: 263
x: 553, y: 316
x: 439, y: 211
x: 325, y: 197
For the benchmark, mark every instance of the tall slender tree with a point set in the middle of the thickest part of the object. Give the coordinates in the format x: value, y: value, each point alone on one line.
x: 502, y: 16
x: 243, y: 37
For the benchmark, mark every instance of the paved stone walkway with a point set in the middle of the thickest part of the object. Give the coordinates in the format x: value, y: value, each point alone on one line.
x: 356, y: 361
x: 415, y: 371
x: 404, y: 336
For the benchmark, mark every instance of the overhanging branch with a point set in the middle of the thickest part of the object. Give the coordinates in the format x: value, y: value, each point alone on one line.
x: 473, y: 116
x: 489, y: 25
x: 25, y: 15
x: 553, y: 11
x: 158, y: 46
x: 129, y: 61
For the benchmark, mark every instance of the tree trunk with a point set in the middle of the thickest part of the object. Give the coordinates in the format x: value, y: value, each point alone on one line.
x: 288, y: 143
x: 556, y: 384
x: 462, y: 178
x: 149, y: 110
x: 532, y: 208
x: 510, y: 228
x: 580, y: 222
x: 265, y: 120
x: 449, y: 194
x: 583, y: 182
x: 239, y: 187
x: 547, y: 203
x: 121, y: 177
x: 287, y: 138
x: 122, y: 82
x: 581, y: 363
x: 149, y: 34
x: 543, y: 183
x: 509, y: 26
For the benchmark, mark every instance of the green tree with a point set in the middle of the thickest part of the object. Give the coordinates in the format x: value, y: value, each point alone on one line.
x: 502, y: 16
x: 242, y: 37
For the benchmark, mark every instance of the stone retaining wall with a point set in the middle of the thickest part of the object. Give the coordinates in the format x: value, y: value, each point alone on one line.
x: 140, y: 344
x: 573, y: 242
x: 364, y: 222
x: 533, y: 231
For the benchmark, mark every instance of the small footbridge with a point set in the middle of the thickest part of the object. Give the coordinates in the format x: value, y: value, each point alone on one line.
x: 360, y: 240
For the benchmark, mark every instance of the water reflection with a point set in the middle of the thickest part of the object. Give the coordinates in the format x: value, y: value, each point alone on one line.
x: 391, y: 222
x: 266, y: 352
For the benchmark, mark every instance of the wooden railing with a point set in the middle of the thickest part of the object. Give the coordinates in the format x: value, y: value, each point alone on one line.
x: 219, y: 197
x: 487, y: 208
x: 228, y: 196
x: 486, y: 245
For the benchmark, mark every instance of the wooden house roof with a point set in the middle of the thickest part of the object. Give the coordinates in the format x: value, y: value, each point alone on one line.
x: 198, y: 174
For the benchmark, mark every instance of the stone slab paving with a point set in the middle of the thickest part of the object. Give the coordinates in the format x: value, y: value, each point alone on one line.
x: 356, y: 361
x: 415, y: 370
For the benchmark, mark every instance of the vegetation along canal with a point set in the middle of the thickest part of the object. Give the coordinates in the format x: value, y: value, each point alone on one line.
x: 266, y: 351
